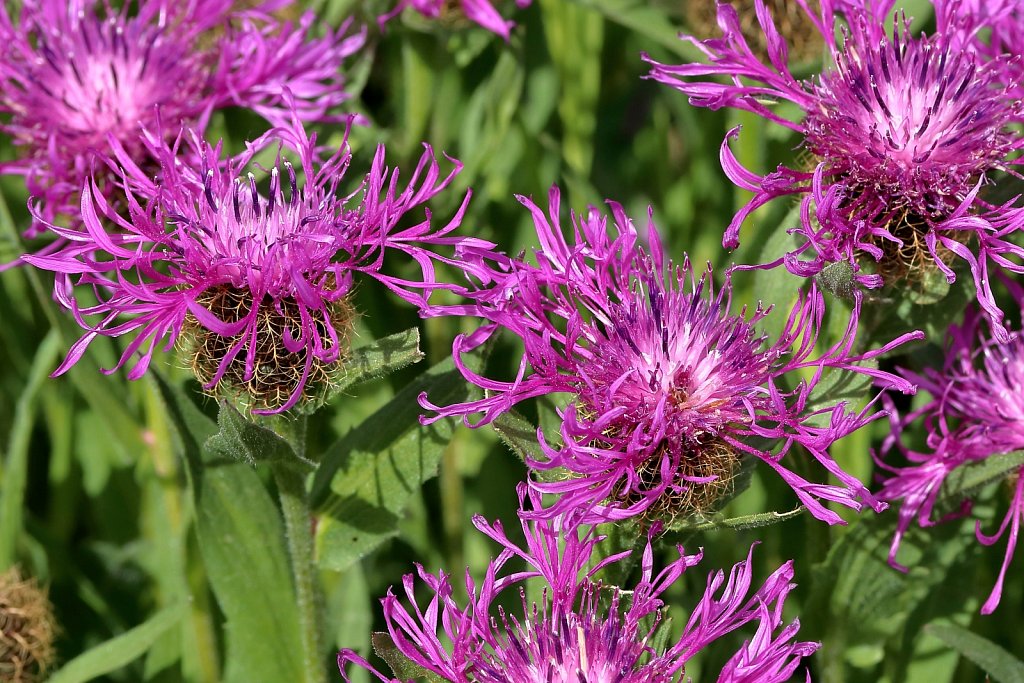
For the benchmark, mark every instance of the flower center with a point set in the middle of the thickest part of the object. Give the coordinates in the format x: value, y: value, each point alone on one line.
x: 263, y: 243
x: 675, y: 358
x: 254, y: 365
x: 570, y: 647
x: 913, y: 120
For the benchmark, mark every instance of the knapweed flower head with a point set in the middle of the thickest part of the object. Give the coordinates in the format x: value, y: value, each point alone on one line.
x: 582, y: 629
x: 480, y: 12
x: 902, y: 133
x: 254, y: 284
x: 27, y: 629
x: 667, y: 387
x: 76, y: 75
x: 976, y: 411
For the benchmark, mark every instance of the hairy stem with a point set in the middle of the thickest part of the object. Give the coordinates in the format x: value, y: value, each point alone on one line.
x: 291, y: 489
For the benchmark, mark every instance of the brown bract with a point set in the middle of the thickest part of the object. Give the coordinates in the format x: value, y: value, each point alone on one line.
x: 277, y: 371
x: 27, y: 629
x: 792, y: 22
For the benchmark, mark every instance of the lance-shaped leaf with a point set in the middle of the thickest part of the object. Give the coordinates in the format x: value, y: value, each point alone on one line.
x: 367, y: 478
x: 999, y: 664
x: 241, y: 540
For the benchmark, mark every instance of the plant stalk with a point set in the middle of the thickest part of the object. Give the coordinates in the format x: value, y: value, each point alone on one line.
x: 291, y: 488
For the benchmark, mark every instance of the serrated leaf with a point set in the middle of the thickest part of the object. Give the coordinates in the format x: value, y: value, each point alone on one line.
x: 382, y: 357
x: 368, y: 476
x: 402, y: 667
x: 969, y: 479
x: 994, y: 660
x: 121, y: 650
x: 241, y: 540
x: 244, y: 440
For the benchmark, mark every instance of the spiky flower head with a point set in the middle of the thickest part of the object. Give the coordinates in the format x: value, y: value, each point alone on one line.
x: 480, y: 12
x: 255, y: 283
x: 76, y: 75
x: 976, y: 411
x: 582, y: 629
x: 903, y: 133
x: 665, y: 386
x: 27, y: 629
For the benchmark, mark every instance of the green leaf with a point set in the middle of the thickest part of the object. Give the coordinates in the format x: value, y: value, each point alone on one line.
x: 863, y: 603
x: 241, y: 540
x: 403, y: 668
x: 969, y: 479
x: 120, y: 651
x: 575, y: 37
x: 994, y: 660
x: 242, y: 439
x: 777, y: 286
x: 368, y: 476
x: 517, y: 433
x: 15, y: 463
x: 382, y: 357
x: 646, y: 19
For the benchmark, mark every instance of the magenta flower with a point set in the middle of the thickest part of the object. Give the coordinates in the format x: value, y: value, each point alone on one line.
x: 76, y: 75
x: 903, y: 133
x: 253, y: 285
x: 584, y: 630
x: 666, y: 388
x: 976, y: 411
x: 481, y: 12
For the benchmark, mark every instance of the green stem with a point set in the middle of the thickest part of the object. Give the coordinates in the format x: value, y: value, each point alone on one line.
x: 291, y: 488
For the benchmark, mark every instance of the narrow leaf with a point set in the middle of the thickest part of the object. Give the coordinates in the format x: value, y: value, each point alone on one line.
x: 15, y: 464
x: 744, y: 522
x: 120, y: 651
x: 994, y: 660
x: 518, y: 434
x: 241, y: 540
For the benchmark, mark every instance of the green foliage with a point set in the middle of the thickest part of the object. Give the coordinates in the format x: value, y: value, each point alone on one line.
x: 119, y: 651
x: 241, y: 539
x: 166, y: 524
x: 368, y: 476
x: 994, y: 660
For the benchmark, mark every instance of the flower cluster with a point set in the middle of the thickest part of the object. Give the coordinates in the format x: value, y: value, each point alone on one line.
x: 667, y: 387
x: 582, y: 629
x: 76, y: 77
x: 976, y: 411
x: 481, y: 12
x: 903, y: 133
x: 256, y: 283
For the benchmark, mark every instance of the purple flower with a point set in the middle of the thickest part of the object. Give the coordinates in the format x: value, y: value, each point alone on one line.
x: 481, y: 12
x: 666, y: 387
x: 976, y: 411
x: 76, y: 75
x: 253, y: 284
x: 903, y: 133
x: 582, y: 629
